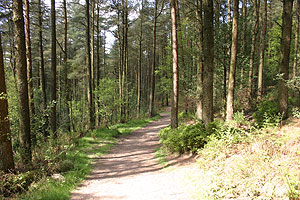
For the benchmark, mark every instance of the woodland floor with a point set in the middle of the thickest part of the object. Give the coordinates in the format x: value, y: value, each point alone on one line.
x: 132, y: 171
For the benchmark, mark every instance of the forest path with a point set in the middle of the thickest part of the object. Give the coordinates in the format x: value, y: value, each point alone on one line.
x: 131, y: 170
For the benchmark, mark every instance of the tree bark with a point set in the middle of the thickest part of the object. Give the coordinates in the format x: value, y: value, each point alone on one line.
x: 152, y: 93
x: 89, y: 67
x: 29, y: 62
x: 262, y: 53
x: 244, y: 29
x: 233, y: 62
x: 66, y: 71
x: 208, y: 67
x: 253, y: 49
x: 98, y: 45
x: 139, y: 71
x: 6, y: 153
x: 297, y: 10
x: 285, y: 57
x: 42, y: 65
x: 22, y: 84
x: 200, y: 60
x: 174, y: 108
x: 53, y: 70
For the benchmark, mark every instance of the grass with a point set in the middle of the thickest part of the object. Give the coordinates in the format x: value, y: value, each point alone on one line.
x: 95, y: 144
x: 160, y: 155
x: 262, y: 165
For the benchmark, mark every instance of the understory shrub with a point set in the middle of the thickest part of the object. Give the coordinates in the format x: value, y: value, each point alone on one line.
x: 184, y: 138
x: 194, y: 137
x: 267, y: 114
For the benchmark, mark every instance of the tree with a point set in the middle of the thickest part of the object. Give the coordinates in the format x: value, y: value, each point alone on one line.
x: 297, y: 10
x: 6, y: 153
x: 174, y: 108
x: 208, y: 65
x: 65, y: 74
x: 22, y: 84
x: 89, y: 67
x: 233, y: 61
x: 285, y: 46
x: 152, y: 93
x: 29, y: 61
x: 53, y: 69
x: 200, y: 60
x: 253, y: 48
x: 262, y: 52
x: 139, y: 70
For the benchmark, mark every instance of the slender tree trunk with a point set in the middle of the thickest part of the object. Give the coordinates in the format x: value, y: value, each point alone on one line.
x: 285, y: 56
x: 29, y: 63
x: 208, y: 67
x: 152, y: 94
x: 174, y: 107
x: 233, y: 61
x: 139, y: 71
x: 22, y: 84
x: 89, y: 67
x: 262, y: 53
x: 225, y: 68
x: 92, y: 43
x: 297, y: 10
x: 53, y: 70
x: 43, y: 76
x: 200, y: 60
x: 66, y: 71
x: 244, y: 31
x: 6, y: 153
x: 253, y: 49
x: 98, y: 62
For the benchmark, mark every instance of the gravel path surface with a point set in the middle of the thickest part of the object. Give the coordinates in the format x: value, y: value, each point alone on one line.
x: 131, y: 171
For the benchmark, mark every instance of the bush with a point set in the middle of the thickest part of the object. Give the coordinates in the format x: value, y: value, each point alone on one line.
x: 267, y: 114
x: 184, y: 138
x: 16, y: 183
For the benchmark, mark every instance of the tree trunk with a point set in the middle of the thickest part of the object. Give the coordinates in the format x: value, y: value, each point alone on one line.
x: 253, y: 46
x: 174, y: 107
x: 262, y: 53
x: 244, y: 31
x: 22, y: 84
x: 6, y: 153
x: 66, y: 71
x: 89, y: 67
x: 98, y: 40
x: 152, y: 94
x: 92, y: 43
x: 139, y: 71
x: 29, y: 63
x: 53, y: 70
x: 42, y: 65
x: 233, y: 61
x: 208, y: 67
x: 285, y: 56
x: 296, y: 39
x: 200, y: 60
x: 225, y: 68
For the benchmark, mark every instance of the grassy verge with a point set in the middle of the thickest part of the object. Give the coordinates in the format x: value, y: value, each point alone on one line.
x: 96, y: 143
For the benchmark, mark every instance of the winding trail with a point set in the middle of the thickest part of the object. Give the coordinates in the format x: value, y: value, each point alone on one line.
x: 131, y: 171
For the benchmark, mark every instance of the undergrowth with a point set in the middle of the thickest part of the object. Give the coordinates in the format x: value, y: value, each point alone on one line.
x: 242, y: 159
x: 68, y: 158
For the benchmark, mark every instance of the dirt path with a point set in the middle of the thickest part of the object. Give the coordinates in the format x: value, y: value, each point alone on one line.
x: 131, y: 170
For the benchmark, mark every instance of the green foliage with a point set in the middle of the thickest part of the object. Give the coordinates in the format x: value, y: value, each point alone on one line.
x: 106, y: 97
x: 267, y: 114
x: 296, y: 112
x: 184, y: 138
